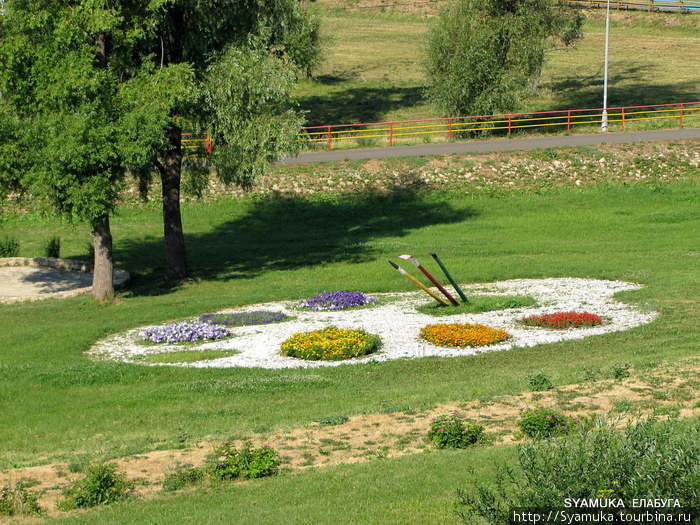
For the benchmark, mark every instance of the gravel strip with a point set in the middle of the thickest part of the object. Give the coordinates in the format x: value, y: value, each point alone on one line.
x: 398, y: 325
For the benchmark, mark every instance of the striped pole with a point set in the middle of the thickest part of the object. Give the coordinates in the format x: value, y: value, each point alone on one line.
x: 449, y: 278
x: 429, y: 276
x: 419, y: 284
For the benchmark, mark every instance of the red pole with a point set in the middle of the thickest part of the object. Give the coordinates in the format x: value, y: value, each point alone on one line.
x: 510, y: 119
x: 681, y: 116
x: 623, y: 119
x: 207, y: 143
x: 568, y: 121
x: 329, y: 137
x: 391, y: 134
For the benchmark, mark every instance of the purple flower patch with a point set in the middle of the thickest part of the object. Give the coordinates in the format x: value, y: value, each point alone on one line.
x: 185, y: 332
x: 336, y: 300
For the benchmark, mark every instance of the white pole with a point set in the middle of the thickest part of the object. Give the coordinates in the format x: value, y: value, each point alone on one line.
x: 604, y: 122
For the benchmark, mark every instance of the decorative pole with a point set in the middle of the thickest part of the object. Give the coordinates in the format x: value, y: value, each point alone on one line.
x: 419, y: 284
x: 432, y: 279
x: 449, y: 278
x: 604, y: 122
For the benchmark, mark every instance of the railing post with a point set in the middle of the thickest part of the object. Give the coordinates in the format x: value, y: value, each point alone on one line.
x: 510, y: 123
x: 682, y: 116
x: 449, y: 134
x: 207, y: 143
x: 623, y: 119
x: 568, y: 121
x: 391, y: 134
x: 329, y: 137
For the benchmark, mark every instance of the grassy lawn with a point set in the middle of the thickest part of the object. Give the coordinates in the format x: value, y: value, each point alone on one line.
x: 373, y: 69
x: 59, y: 405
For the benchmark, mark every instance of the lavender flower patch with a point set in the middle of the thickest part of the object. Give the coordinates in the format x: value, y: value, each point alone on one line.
x: 336, y: 300
x: 244, y: 318
x: 185, y: 332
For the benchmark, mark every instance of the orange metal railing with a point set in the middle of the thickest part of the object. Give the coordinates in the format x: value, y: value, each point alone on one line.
x: 368, y: 134
x: 197, y: 141
x: 646, y: 5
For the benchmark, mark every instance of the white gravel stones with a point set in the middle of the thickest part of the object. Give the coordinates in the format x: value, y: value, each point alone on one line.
x: 398, y: 324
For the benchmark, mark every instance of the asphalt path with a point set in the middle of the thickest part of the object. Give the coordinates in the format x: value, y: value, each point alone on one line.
x: 495, y: 145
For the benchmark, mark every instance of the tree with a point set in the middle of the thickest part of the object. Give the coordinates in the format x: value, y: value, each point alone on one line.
x: 215, y: 46
x: 94, y: 89
x: 59, y: 106
x: 484, y: 56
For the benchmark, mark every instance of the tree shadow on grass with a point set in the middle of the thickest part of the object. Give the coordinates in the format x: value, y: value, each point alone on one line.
x: 358, y: 105
x: 282, y: 233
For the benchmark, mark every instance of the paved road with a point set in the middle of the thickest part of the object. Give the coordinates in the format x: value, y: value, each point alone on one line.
x: 495, y: 145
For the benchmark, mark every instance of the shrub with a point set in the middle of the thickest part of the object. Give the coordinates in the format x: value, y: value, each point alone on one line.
x: 544, y: 422
x: 52, y: 248
x: 336, y: 300
x: 248, y: 463
x: 563, y: 320
x: 185, y: 331
x: 540, y: 382
x: 102, y: 485
x: 244, y: 318
x: 650, y: 459
x: 17, y: 500
x: 330, y: 344
x: 451, y: 431
x: 9, y: 248
x: 462, y: 334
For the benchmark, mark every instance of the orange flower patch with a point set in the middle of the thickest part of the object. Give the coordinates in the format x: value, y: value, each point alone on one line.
x: 462, y: 334
x: 330, y: 344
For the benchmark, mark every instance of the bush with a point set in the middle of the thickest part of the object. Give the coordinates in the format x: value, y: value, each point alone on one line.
x: 17, y: 500
x: 563, y: 320
x: 336, y: 300
x: 102, y: 485
x: 540, y: 382
x: 544, y: 422
x: 52, y: 248
x: 9, y: 248
x: 330, y: 344
x: 248, y: 463
x: 451, y: 431
x: 651, y: 459
x: 244, y: 318
x: 185, y: 331
x: 462, y: 334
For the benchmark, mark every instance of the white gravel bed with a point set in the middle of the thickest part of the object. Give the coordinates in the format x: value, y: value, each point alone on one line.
x: 398, y: 324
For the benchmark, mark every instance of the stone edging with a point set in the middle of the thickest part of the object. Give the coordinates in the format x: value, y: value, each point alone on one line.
x: 120, y: 276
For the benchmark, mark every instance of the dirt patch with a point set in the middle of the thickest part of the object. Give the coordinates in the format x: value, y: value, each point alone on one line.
x: 671, y: 389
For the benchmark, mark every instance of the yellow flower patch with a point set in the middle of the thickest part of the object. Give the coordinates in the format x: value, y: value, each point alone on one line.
x: 330, y: 344
x: 462, y: 334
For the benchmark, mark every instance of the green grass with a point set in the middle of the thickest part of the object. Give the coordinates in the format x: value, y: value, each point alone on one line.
x: 242, y: 253
x: 422, y: 489
x: 479, y: 304
x: 373, y: 69
x: 188, y: 356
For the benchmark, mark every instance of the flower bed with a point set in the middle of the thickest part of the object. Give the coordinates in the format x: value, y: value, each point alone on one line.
x: 185, y: 332
x: 563, y: 320
x: 462, y: 334
x: 336, y: 300
x: 244, y: 318
x: 330, y: 344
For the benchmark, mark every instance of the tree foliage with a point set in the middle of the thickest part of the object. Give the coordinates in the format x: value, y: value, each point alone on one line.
x: 485, y: 55
x: 91, y: 90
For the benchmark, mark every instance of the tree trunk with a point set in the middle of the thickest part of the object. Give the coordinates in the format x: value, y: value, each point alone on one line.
x: 102, y: 282
x: 175, y: 260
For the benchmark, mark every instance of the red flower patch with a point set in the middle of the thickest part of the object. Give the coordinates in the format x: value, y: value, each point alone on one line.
x: 563, y: 320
